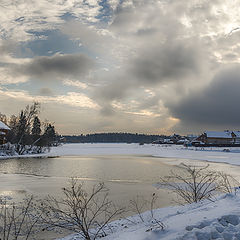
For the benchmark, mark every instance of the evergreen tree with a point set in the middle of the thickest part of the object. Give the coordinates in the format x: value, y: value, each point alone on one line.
x: 50, y: 134
x: 22, y: 128
x: 26, y: 133
x: 36, y: 129
x: 13, y: 123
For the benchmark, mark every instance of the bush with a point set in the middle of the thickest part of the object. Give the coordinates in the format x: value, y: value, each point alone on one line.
x: 19, y: 221
x: 139, y: 204
x: 85, y: 213
x: 198, y: 183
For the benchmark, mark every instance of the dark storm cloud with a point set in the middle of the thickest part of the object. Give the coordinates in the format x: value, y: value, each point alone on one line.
x: 107, y: 110
x: 217, y: 104
x: 116, y: 90
x: 149, y: 102
x: 161, y: 54
x: 154, y: 66
x: 169, y: 61
x: 56, y: 66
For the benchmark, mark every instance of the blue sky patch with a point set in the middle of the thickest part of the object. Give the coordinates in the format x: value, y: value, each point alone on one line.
x: 49, y: 43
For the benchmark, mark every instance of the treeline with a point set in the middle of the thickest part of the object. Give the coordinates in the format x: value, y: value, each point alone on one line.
x: 28, y: 133
x: 112, y: 138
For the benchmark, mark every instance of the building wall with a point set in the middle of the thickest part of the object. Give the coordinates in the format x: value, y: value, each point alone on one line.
x: 237, y: 140
x: 219, y: 140
x: 3, y: 136
x: 203, y: 138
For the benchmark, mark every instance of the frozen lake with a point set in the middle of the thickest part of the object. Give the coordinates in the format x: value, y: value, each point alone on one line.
x: 125, y: 176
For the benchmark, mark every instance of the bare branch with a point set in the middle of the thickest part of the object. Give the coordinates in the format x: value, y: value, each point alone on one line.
x: 88, y: 214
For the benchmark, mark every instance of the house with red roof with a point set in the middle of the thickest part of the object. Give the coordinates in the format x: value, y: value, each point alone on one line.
x: 218, y: 138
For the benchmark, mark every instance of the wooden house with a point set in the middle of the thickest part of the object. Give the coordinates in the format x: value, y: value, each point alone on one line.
x: 213, y: 137
x: 4, y: 129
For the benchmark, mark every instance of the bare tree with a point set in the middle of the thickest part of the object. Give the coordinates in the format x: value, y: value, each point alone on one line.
x: 194, y: 185
x: 18, y: 221
x: 87, y: 213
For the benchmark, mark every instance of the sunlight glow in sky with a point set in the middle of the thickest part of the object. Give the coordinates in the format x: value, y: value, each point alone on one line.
x: 149, y: 66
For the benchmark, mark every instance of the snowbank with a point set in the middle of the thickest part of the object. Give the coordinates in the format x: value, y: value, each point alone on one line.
x: 201, y: 221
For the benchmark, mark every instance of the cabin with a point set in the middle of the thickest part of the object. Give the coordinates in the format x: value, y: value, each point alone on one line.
x: 4, y: 129
x: 216, y: 138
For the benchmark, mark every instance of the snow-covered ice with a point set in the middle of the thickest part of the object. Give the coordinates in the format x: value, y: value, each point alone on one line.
x: 174, y: 152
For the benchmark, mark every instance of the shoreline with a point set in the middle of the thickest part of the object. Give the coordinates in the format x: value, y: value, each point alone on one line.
x: 148, y: 150
x: 28, y: 156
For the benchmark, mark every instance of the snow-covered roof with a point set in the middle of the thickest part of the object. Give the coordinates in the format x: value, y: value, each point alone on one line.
x: 213, y: 134
x: 4, y: 126
x: 237, y: 133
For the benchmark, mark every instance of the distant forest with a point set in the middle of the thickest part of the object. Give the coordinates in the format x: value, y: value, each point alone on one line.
x: 112, y: 138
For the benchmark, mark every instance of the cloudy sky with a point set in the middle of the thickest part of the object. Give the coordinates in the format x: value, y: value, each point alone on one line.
x: 149, y: 66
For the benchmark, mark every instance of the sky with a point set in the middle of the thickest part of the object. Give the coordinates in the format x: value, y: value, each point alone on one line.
x: 148, y: 66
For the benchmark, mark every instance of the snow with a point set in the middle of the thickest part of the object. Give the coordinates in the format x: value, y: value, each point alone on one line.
x: 202, y: 221
x: 185, y: 222
x: 237, y: 133
x: 175, y: 153
x: 4, y: 126
x: 40, y: 155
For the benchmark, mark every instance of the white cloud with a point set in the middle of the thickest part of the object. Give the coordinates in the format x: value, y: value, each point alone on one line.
x: 75, y: 99
x: 25, y: 15
x: 77, y: 84
x: 113, y: 4
x: 6, y: 77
